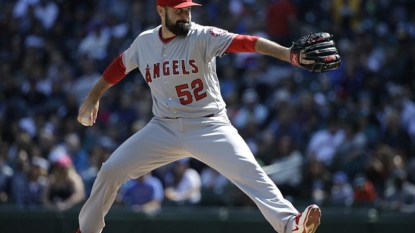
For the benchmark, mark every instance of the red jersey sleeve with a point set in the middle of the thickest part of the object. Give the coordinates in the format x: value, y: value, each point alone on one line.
x: 115, y: 71
x: 243, y: 43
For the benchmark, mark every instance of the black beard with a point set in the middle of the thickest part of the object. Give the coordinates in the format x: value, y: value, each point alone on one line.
x: 180, y: 28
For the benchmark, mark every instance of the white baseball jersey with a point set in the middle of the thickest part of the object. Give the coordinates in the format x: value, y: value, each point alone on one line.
x: 184, y: 85
x: 181, y: 73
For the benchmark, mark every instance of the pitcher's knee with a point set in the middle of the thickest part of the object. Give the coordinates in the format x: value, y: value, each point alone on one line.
x: 109, y: 172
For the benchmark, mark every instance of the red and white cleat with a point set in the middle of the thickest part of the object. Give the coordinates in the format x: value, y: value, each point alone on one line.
x: 307, y: 221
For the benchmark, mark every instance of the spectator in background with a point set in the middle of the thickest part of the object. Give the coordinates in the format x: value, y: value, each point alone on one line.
x: 379, y: 167
x: 270, y: 75
x: 183, y: 184
x: 308, y: 116
x: 284, y: 124
x: 364, y: 193
x: 30, y: 194
x: 65, y: 188
x: 69, y: 109
x: 266, y: 146
x: 23, y: 140
x: 351, y: 156
x: 6, y: 174
x: 72, y: 147
x: 19, y: 179
x: 97, y: 157
x: 229, y: 82
x: 20, y: 7
x: 367, y: 120
x: 124, y: 113
x: 47, y: 140
x: 324, y: 143
x: 94, y: 45
x: 346, y: 14
x: 341, y: 192
x: 281, y: 18
x: 32, y: 94
x: 316, y: 181
x: 144, y: 194
x: 290, y: 176
x: 251, y: 108
x: 410, y: 170
x: 400, y: 195
x: 394, y: 135
x: 401, y: 100
x: 47, y: 11
x: 89, y: 76
x: 55, y: 100
x: 213, y: 181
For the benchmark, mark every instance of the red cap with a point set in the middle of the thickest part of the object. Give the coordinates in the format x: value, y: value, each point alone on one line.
x: 64, y: 161
x: 177, y: 3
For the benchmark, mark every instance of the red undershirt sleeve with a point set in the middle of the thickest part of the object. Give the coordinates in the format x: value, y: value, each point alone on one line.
x: 243, y: 43
x: 115, y: 71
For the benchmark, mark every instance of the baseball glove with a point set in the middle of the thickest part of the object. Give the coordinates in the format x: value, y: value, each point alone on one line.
x: 318, y: 47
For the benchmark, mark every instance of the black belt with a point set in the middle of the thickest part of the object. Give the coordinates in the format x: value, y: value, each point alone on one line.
x: 210, y: 115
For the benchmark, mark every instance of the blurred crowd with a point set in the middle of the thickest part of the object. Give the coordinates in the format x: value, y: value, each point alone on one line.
x: 341, y: 138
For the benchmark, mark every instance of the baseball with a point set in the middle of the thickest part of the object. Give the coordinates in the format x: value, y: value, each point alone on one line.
x: 85, y: 121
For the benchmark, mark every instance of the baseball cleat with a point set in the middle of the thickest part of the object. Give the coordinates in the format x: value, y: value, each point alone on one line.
x: 307, y: 221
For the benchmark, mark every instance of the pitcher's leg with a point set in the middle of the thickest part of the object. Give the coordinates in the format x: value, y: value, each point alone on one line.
x: 148, y: 149
x: 230, y: 156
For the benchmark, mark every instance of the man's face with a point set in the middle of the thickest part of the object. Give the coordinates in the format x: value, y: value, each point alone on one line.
x: 178, y: 20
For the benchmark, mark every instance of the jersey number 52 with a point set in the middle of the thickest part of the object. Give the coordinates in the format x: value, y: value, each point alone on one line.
x: 184, y: 92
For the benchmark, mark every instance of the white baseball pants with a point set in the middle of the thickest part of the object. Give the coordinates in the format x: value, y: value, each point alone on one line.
x: 212, y: 140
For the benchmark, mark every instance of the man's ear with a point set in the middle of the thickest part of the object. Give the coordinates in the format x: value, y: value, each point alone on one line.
x: 160, y: 11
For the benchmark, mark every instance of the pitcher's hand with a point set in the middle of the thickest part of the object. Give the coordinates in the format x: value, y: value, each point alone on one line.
x: 88, y: 112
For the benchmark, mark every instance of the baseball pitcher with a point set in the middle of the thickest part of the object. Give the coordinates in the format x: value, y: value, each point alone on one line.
x: 178, y: 62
